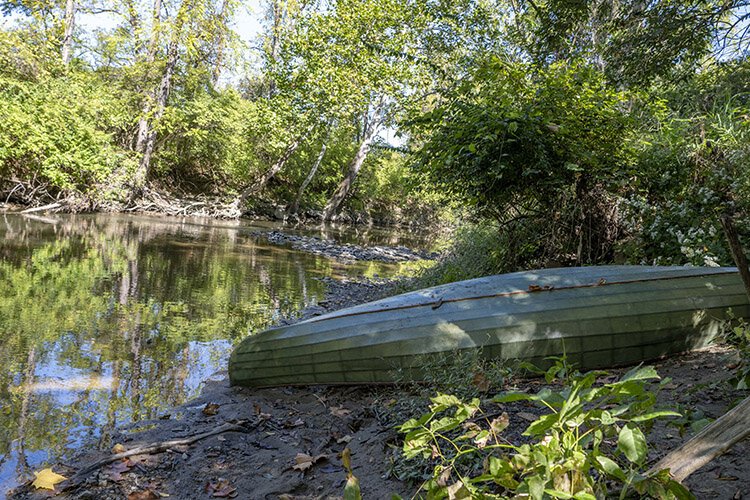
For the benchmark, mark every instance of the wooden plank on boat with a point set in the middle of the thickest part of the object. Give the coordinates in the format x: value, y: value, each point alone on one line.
x: 598, y: 316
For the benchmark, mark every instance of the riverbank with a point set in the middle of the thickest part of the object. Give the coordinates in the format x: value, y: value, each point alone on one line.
x: 155, y: 201
x: 287, y: 441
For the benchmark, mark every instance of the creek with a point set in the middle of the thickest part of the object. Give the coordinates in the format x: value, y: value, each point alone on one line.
x: 111, y: 319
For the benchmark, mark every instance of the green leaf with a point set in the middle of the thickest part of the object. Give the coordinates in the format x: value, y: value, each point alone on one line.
x: 640, y: 373
x: 653, y: 415
x: 632, y: 443
x: 610, y: 467
x: 541, y: 425
x: 536, y: 487
x: 584, y: 496
x: 679, y: 490
x: 510, y: 397
x: 351, y: 489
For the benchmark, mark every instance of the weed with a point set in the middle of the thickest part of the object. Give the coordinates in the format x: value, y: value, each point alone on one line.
x: 590, y: 443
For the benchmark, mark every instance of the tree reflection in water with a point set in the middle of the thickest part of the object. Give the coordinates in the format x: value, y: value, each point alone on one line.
x: 109, y: 319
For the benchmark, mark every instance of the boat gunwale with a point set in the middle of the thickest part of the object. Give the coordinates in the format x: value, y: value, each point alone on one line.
x: 439, y: 302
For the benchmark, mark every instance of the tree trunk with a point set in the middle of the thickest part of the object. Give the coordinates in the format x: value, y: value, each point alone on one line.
x: 735, y: 247
x: 333, y: 207
x: 259, y: 184
x: 142, y: 171
x: 144, y: 131
x: 295, y: 205
x: 70, y: 24
x: 220, y: 41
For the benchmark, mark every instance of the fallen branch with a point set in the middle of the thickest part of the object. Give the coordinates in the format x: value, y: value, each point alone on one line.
x: 714, y: 440
x: 158, y: 447
x: 51, y: 206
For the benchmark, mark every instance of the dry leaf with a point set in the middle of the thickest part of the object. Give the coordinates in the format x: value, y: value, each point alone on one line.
x: 118, y: 468
x: 530, y: 417
x: 211, y: 409
x: 305, y: 461
x: 46, y: 479
x: 458, y: 491
x: 500, y: 423
x: 339, y: 411
x: 118, y: 448
x: 143, y: 495
x: 221, y: 489
x: 344, y: 439
x: 442, y: 480
x: 481, y: 382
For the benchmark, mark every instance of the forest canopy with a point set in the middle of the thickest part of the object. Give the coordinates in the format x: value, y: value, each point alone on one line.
x: 579, y: 132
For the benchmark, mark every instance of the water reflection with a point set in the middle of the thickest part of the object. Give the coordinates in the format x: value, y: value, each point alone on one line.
x: 110, y: 319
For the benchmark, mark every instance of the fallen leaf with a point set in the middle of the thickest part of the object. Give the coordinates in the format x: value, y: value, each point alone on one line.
x: 344, y: 439
x: 118, y: 468
x: 481, y: 382
x: 46, y: 479
x: 339, y: 411
x: 221, y: 489
x: 458, y: 491
x: 442, y: 480
x: 500, y: 423
x: 527, y: 416
x: 305, y: 461
x: 211, y: 409
x: 143, y: 495
x: 118, y: 448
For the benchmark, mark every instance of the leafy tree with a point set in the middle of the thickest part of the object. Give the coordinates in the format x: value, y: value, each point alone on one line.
x: 519, y: 143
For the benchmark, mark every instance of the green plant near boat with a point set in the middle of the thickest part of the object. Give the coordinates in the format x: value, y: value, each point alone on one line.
x: 590, y: 443
x: 736, y: 333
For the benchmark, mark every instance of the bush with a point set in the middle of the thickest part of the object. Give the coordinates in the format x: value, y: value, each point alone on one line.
x: 58, y: 134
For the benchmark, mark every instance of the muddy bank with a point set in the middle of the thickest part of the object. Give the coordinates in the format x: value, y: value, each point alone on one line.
x: 287, y: 441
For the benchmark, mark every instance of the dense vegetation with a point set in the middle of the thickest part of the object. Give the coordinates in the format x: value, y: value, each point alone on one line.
x: 572, y: 132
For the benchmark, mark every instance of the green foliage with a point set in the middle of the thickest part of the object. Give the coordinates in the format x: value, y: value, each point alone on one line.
x: 218, y: 138
x: 692, y: 170
x: 591, y: 438
x: 60, y: 133
x: 630, y: 41
x: 513, y: 135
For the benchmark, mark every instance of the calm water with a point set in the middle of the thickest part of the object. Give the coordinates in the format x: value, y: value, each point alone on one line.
x: 111, y: 319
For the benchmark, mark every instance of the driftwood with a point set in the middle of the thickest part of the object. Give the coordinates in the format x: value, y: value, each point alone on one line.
x: 714, y: 440
x: 51, y: 206
x: 157, y: 447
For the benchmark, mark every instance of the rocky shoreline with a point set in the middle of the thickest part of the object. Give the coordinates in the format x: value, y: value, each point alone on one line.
x: 345, y: 252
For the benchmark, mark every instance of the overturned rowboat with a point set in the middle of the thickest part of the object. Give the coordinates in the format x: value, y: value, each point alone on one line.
x: 598, y: 316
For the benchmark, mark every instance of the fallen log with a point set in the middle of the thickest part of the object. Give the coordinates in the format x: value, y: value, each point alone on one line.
x: 51, y: 206
x: 714, y: 440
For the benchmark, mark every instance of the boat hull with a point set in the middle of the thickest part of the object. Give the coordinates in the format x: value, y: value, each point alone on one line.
x: 597, y: 316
